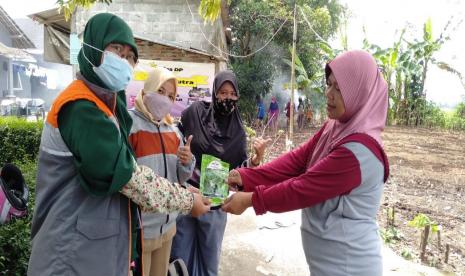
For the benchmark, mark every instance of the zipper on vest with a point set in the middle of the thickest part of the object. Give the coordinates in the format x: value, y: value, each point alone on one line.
x: 166, y: 169
x: 163, y: 150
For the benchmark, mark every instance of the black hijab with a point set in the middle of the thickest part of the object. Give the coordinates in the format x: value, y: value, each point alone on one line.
x: 221, y: 136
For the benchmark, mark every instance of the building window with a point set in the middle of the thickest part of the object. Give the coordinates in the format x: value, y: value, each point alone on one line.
x: 18, y: 70
x: 17, y: 84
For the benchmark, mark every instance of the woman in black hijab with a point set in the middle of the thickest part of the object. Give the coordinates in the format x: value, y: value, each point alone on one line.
x: 218, y: 130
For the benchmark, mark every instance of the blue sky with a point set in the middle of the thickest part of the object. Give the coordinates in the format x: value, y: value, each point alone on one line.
x: 382, y: 19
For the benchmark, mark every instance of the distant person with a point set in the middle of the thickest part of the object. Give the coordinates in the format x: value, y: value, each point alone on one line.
x: 287, y: 109
x: 308, y: 113
x: 260, y: 112
x: 337, y: 177
x: 273, y: 115
x: 300, y: 114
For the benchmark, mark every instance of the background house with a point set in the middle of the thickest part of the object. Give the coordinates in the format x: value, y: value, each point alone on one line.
x: 167, y: 34
x: 25, y: 78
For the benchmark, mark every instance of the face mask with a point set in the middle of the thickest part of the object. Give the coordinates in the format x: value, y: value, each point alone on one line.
x: 225, y: 107
x: 158, y: 105
x: 115, y: 72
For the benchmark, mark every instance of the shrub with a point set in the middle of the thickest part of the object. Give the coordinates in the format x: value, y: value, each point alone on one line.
x: 19, y: 144
x: 19, y: 140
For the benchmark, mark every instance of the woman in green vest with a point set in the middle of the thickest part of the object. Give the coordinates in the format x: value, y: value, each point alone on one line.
x: 89, y: 189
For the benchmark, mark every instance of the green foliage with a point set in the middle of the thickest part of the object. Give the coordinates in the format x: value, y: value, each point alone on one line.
x: 391, y: 235
x: 20, y: 139
x: 422, y: 220
x: 405, y: 66
x: 407, y: 254
x: 15, y: 237
x: 210, y: 9
x: 255, y: 78
x: 254, y: 22
x: 68, y: 6
x: 250, y: 132
x: 460, y: 110
x: 19, y: 145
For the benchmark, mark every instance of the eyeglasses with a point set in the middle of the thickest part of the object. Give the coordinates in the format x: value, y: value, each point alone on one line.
x: 120, y: 51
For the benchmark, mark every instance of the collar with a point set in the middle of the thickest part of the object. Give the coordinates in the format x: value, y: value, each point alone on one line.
x: 106, y: 95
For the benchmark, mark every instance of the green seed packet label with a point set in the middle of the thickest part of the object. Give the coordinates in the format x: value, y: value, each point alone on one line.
x: 213, y: 176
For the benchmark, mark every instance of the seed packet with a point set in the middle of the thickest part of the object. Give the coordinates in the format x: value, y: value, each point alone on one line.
x: 213, y: 175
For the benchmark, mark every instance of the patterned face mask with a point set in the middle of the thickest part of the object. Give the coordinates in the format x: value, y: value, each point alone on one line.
x: 225, y: 107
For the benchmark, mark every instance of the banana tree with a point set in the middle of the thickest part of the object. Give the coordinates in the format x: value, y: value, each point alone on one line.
x: 405, y: 67
x: 388, y: 60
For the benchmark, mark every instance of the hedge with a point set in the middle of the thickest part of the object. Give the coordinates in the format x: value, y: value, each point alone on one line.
x: 19, y: 140
x: 19, y: 144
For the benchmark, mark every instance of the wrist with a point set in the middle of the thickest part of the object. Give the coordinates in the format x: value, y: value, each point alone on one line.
x: 255, y: 161
x: 248, y: 199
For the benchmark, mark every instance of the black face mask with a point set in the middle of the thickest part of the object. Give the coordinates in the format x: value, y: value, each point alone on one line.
x: 225, y: 107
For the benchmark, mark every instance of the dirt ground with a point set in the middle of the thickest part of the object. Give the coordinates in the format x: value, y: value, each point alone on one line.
x: 427, y: 176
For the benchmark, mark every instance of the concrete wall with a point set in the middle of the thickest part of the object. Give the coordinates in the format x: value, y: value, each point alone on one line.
x: 163, y: 20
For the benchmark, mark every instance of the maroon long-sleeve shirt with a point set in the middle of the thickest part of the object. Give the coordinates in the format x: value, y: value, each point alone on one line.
x: 287, y: 184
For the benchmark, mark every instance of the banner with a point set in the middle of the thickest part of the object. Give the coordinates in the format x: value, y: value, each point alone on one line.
x: 195, y: 82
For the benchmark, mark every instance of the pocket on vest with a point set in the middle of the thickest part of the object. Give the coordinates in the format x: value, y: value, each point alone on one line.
x: 95, y: 246
x: 97, y: 229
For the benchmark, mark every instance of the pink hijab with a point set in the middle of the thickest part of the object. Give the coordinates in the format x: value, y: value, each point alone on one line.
x: 365, y: 96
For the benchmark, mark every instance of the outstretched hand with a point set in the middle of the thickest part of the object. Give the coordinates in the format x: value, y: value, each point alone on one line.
x: 201, y: 205
x: 237, y: 203
x: 234, y: 180
x: 184, y: 152
x: 259, y: 145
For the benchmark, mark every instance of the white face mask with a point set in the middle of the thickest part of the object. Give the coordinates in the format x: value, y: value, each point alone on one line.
x: 158, y: 105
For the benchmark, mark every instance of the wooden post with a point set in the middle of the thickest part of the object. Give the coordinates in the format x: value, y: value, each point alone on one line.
x: 424, y: 243
x: 393, y: 215
x: 439, y: 239
x: 291, y: 106
x: 447, y: 253
x: 388, y: 217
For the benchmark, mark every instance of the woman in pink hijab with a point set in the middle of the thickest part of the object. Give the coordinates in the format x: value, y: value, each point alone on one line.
x: 336, y: 177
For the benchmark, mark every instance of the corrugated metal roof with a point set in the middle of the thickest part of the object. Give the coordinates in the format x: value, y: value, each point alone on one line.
x: 53, y: 18
x: 16, y: 54
x: 19, y: 38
